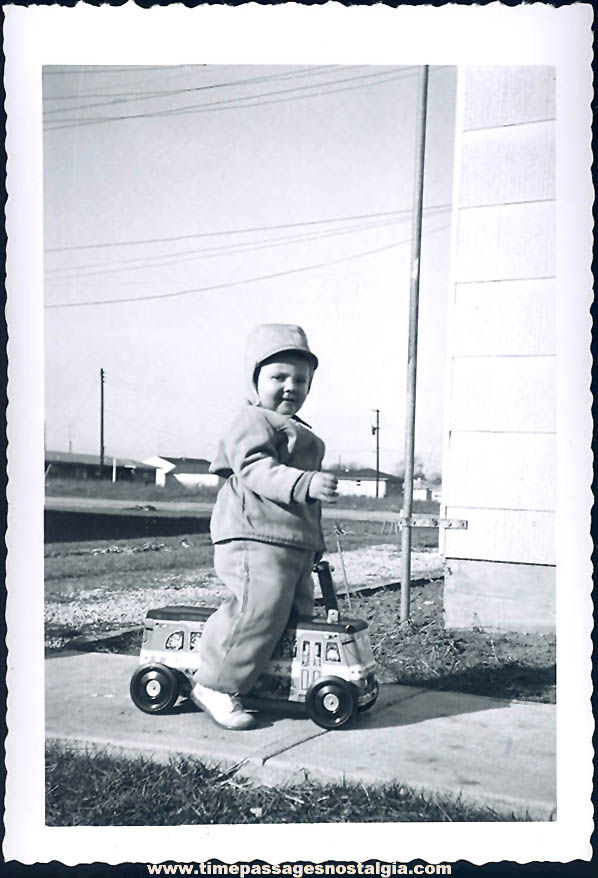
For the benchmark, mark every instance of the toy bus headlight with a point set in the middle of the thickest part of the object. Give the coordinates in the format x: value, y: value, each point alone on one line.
x: 174, y: 640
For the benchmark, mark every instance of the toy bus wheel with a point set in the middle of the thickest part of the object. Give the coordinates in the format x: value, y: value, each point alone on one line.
x: 154, y: 688
x: 370, y: 704
x: 331, y: 702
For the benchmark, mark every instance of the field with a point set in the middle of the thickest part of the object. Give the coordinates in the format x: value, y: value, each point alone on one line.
x: 137, y: 491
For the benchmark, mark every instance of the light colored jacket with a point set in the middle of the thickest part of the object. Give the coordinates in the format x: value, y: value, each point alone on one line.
x: 268, y: 460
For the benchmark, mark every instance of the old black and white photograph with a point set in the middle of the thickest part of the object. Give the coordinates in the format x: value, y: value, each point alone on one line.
x: 302, y: 365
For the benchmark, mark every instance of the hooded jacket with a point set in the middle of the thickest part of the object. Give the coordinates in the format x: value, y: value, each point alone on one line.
x: 268, y: 460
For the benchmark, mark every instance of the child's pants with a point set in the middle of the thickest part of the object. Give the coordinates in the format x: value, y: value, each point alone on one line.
x: 267, y: 583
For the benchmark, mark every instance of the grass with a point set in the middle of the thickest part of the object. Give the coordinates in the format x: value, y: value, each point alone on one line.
x: 123, y: 559
x: 105, y: 489
x: 98, y: 789
x: 422, y: 652
x: 97, y: 586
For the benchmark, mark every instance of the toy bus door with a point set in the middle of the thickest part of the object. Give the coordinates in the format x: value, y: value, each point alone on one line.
x: 311, y: 661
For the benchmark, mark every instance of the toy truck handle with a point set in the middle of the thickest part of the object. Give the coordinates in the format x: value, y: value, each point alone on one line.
x: 322, y: 568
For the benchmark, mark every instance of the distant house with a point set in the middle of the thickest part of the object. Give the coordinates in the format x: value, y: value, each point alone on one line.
x: 67, y: 465
x: 422, y: 490
x: 362, y: 482
x: 192, y: 472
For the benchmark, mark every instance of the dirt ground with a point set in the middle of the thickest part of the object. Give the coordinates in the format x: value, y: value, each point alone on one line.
x: 97, y: 587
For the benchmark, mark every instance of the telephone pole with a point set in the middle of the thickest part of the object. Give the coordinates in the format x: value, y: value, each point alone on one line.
x: 376, y: 433
x: 101, y: 423
x: 416, y: 237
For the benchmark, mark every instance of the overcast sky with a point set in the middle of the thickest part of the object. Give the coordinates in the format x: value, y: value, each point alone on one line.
x: 206, y: 180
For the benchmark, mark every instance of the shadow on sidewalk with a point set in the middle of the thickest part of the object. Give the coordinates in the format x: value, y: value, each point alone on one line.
x: 422, y: 705
x: 418, y: 707
x: 507, y: 680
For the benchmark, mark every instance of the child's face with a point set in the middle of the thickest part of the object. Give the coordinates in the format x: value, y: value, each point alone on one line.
x: 283, y: 383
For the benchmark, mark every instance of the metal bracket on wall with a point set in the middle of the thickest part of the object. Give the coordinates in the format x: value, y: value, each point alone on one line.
x: 434, y: 521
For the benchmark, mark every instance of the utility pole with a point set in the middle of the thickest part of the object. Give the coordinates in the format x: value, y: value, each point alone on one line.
x: 101, y: 423
x: 376, y: 433
x: 416, y: 238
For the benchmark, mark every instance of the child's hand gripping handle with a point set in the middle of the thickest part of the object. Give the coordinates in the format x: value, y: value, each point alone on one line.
x: 322, y: 568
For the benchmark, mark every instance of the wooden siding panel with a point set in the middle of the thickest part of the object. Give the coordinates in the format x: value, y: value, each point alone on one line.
x: 510, y: 394
x: 515, y: 241
x: 519, y: 94
x: 507, y: 317
x: 523, y: 536
x: 503, y: 165
x: 508, y: 597
x: 501, y: 470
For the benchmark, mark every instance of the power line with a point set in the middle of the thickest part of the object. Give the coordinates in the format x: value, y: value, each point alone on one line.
x: 239, y: 103
x: 127, y: 97
x: 233, y: 103
x: 130, y: 69
x: 237, y: 283
x: 228, y: 248
x: 191, y: 256
x: 156, y: 81
x: 337, y: 219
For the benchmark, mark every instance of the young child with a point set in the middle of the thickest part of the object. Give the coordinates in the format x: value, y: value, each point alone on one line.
x: 265, y: 525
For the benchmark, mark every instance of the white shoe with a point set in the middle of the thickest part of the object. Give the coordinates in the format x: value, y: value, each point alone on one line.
x: 226, y: 710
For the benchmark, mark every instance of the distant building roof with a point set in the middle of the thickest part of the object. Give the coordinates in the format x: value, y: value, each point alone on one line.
x: 364, y: 475
x: 94, y: 459
x: 196, y: 465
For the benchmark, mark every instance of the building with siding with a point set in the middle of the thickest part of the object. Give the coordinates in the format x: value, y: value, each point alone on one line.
x: 500, y: 429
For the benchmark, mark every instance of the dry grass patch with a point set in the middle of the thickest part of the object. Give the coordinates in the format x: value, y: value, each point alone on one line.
x: 97, y: 789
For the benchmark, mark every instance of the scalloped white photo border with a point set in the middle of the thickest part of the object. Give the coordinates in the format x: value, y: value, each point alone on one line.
x: 291, y: 33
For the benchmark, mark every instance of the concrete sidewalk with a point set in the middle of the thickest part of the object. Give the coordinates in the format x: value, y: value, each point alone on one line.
x: 492, y: 752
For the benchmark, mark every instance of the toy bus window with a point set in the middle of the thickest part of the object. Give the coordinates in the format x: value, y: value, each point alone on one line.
x: 365, y: 650
x: 286, y: 647
x: 317, y: 654
x: 194, y: 639
x: 332, y: 653
x: 174, y: 640
x: 305, y: 653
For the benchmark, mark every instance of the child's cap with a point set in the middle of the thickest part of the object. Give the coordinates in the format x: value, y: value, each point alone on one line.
x: 274, y: 338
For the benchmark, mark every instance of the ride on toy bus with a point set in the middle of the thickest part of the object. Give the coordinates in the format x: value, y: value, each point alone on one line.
x: 327, y: 665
